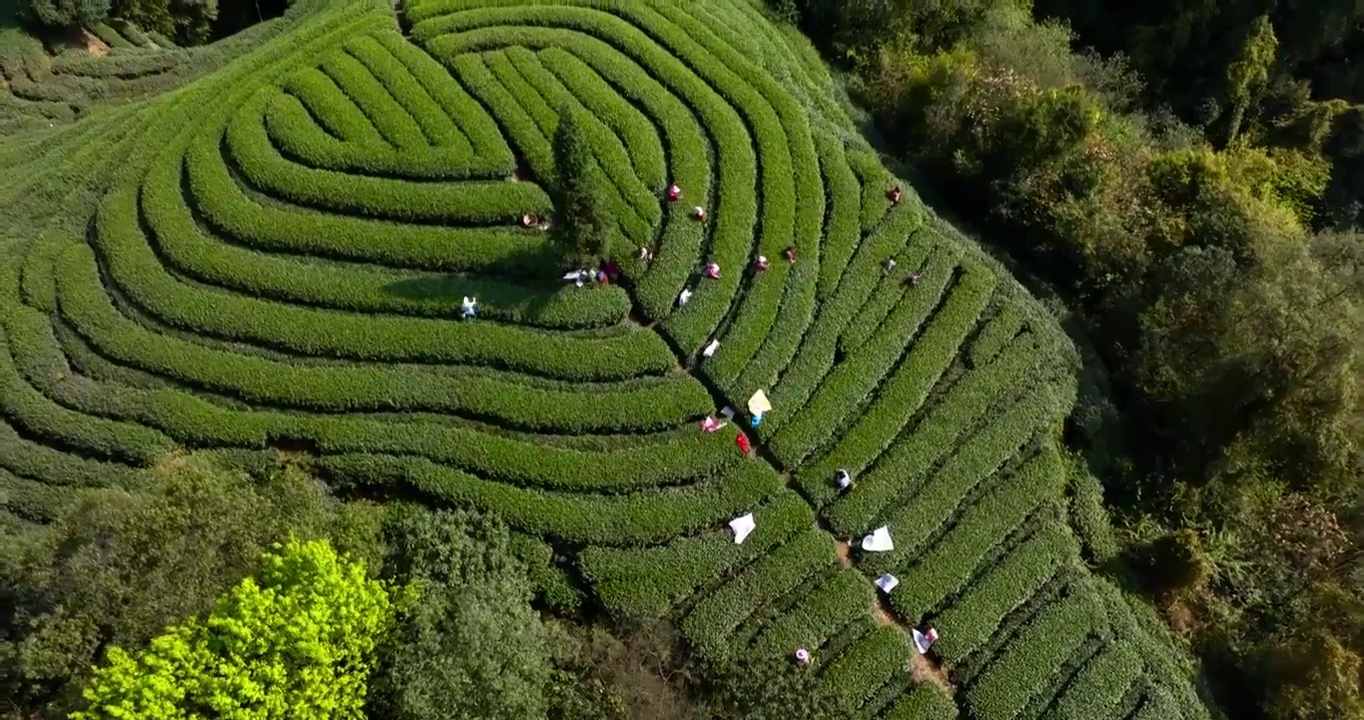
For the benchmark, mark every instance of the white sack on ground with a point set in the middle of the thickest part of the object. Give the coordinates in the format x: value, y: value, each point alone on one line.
x: 887, y: 583
x: 878, y: 541
x: 743, y: 527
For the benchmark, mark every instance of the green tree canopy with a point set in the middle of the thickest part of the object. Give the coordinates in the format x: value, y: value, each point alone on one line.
x: 64, y: 13
x: 581, y: 225
x: 471, y: 647
x: 120, y: 566
x: 299, y: 644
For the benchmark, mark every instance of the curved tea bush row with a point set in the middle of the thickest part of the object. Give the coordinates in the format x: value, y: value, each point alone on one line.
x: 876, y: 182
x: 334, y: 109
x: 636, y: 130
x: 472, y: 121
x: 647, y: 583
x: 923, y: 702
x: 459, y: 203
x: 27, y: 459
x: 388, y: 117
x: 613, y: 157
x: 853, y: 381
x: 1006, y: 324
x: 581, y: 62
x: 965, y: 405
x: 936, y: 501
x: 1033, y: 657
x: 856, y: 674
x: 818, y: 349
x: 973, y: 616
x: 735, y: 212
x: 115, y: 66
x: 658, y: 405
x: 292, y: 128
x: 841, y: 233
x: 1159, y: 705
x: 943, y: 570
x: 637, y: 519
x: 273, y: 227
x: 522, y: 130
x: 711, y: 624
x: 768, y: 324
x: 1095, y: 692
x: 30, y: 411
x: 191, y: 420
x: 899, y: 398
x: 34, y: 501
x: 311, y: 331
x: 843, y: 597
x: 893, y: 288
x: 435, y: 125
x: 359, y: 288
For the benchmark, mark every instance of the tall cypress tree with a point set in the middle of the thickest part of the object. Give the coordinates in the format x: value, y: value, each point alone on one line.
x: 581, y: 225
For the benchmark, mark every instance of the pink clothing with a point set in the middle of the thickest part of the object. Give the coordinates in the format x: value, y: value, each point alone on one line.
x: 674, y: 193
x: 713, y: 271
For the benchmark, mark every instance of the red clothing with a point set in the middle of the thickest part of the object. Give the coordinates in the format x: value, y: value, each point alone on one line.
x: 742, y: 441
x: 674, y: 193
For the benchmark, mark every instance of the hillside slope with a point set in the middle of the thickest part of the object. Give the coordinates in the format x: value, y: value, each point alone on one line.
x: 274, y: 257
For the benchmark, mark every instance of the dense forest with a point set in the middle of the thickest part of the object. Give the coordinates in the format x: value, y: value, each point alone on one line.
x: 1189, y: 176
x: 184, y: 22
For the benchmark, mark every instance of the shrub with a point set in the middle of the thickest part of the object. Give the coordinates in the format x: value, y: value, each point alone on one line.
x: 580, y: 225
x: 470, y: 645
x: 944, y: 571
x: 645, y: 583
x: 900, y: 397
x: 1173, y: 565
x: 711, y: 624
x: 1033, y: 657
x: 964, y: 407
x: 974, y: 616
x: 66, y: 13
x: 302, y: 640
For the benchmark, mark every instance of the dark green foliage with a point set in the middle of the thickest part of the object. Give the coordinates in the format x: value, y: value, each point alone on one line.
x: 64, y: 13
x: 580, y: 223
x: 1174, y: 565
x: 765, y: 688
x: 118, y: 567
x: 469, y: 645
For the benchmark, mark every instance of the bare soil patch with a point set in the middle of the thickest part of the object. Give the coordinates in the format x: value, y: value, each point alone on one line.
x: 86, y: 40
x: 922, y: 668
x: 844, y: 553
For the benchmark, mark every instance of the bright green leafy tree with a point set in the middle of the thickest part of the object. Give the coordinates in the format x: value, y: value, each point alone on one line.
x: 298, y: 643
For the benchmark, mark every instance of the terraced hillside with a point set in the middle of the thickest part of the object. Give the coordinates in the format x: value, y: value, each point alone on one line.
x: 273, y: 259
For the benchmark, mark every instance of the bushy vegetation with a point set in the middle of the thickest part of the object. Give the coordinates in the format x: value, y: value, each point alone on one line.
x: 120, y: 564
x: 300, y: 643
x: 1185, y: 176
x: 314, y: 257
